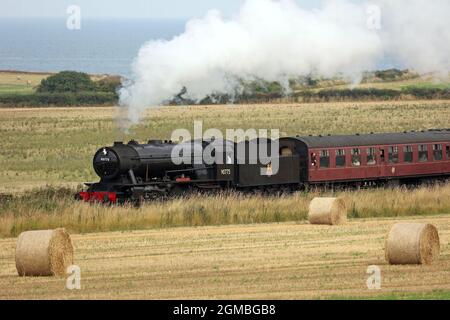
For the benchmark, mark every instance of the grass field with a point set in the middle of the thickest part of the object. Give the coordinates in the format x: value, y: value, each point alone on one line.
x: 264, y: 261
x: 56, y: 145
x: 19, y: 82
x: 420, y: 82
x: 53, y: 208
x: 16, y: 82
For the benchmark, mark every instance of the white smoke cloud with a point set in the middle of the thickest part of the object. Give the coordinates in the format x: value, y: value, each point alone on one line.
x: 417, y: 33
x: 275, y: 40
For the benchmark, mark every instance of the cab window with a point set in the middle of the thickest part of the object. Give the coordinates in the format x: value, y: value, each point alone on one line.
x: 229, y: 158
x: 285, y: 151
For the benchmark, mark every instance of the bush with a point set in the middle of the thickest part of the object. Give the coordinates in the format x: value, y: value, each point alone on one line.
x: 67, y: 81
x: 67, y: 88
x: 355, y: 94
x: 390, y: 74
x: 358, y: 94
x: 427, y: 93
x: 58, y: 99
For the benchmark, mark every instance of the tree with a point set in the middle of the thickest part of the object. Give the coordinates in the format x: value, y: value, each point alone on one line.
x: 109, y: 84
x: 67, y: 81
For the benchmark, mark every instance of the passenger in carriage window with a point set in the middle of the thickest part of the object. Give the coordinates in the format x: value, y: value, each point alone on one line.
x: 371, y: 157
x: 356, y: 157
x: 423, y: 153
x: 382, y: 154
x: 393, y: 154
x: 437, y: 152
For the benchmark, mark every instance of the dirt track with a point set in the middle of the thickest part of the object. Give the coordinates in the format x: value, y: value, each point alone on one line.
x: 290, y: 261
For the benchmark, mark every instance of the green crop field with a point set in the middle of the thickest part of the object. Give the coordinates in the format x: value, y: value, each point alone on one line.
x: 56, y: 145
x: 19, y: 82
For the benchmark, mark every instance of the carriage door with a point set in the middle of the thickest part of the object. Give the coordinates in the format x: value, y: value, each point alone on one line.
x: 383, y: 158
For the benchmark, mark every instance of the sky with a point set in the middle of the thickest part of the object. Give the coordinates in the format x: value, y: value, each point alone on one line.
x: 160, y: 9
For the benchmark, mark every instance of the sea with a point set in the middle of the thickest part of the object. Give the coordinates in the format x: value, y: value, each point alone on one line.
x: 100, y: 46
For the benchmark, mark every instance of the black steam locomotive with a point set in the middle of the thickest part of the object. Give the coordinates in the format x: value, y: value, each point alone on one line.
x: 137, y: 172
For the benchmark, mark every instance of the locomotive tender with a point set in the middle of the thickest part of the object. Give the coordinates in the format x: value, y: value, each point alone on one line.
x: 137, y: 172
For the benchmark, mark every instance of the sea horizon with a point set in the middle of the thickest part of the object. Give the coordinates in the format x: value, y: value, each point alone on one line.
x: 101, y: 46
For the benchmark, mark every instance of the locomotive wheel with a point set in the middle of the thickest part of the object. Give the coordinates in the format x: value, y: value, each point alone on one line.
x: 137, y: 203
x: 154, y: 196
x: 177, y: 192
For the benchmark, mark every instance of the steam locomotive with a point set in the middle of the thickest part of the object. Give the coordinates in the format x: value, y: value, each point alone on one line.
x: 138, y: 172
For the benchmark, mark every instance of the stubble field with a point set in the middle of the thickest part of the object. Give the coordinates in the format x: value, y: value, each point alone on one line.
x: 55, y: 145
x: 257, y: 261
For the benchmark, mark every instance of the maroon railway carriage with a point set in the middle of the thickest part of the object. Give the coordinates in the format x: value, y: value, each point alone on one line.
x: 369, y: 158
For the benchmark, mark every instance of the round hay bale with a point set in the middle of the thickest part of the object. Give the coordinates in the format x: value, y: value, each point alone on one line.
x: 327, y: 211
x: 412, y: 243
x: 43, y: 252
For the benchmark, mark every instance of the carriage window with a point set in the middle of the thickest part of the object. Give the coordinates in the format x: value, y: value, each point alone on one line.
x: 371, y: 156
x: 382, y: 154
x: 340, y: 158
x: 447, y: 148
x: 393, y: 154
x: 437, y: 152
x: 324, y: 158
x: 408, y: 153
x: 356, y: 157
x: 423, y: 153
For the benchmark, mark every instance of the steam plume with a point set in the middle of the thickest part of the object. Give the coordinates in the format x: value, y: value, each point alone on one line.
x: 276, y: 40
